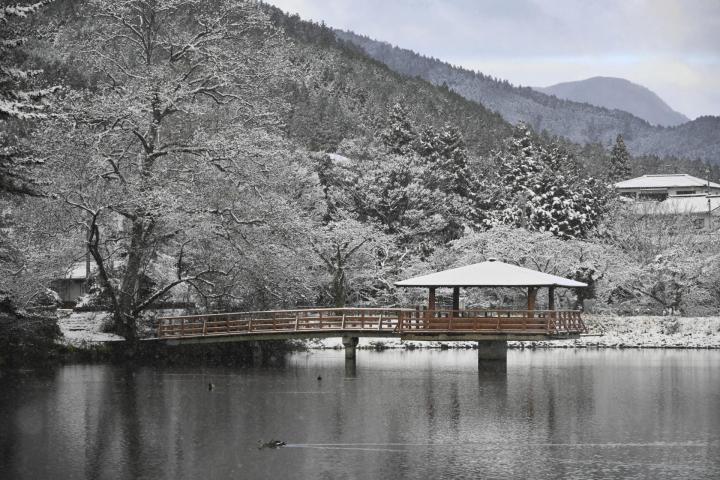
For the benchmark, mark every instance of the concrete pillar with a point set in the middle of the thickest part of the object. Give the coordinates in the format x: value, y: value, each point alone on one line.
x: 350, y: 368
x: 350, y: 344
x: 492, y: 369
x: 492, y: 350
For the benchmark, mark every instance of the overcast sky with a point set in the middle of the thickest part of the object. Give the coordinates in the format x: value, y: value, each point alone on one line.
x: 669, y: 46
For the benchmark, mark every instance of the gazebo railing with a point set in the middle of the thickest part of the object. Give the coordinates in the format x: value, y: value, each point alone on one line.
x: 501, y: 320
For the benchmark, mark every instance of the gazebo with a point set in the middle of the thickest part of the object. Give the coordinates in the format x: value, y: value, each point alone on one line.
x: 491, y: 273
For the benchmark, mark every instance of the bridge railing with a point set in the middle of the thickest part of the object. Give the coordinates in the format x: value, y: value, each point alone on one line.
x: 393, y: 320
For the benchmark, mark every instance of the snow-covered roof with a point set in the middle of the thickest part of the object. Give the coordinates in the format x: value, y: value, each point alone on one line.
x: 489, y: 274
x: 679, y: 205
x: 77, y: 271
x: 339, y: 159
x: 675, y: 180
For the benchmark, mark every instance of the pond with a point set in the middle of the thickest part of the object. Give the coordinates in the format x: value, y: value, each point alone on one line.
x: 398, y: 414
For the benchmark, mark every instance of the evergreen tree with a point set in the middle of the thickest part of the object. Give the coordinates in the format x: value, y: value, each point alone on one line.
x: 19, y: 100
x: 619, y: 161
x: 399, y: 135
x: 21, y: 333
x: 446, y: 156
x: 543, y: 192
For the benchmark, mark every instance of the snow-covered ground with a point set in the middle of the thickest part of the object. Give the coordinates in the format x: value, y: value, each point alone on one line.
x: 605, y: 332
x: 82, y: 329
x: 642, y: 332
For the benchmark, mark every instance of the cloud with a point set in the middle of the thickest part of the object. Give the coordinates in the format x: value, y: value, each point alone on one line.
x: 669, y: 46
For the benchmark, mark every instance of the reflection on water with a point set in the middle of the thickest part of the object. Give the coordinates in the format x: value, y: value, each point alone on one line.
x: 397, y: 414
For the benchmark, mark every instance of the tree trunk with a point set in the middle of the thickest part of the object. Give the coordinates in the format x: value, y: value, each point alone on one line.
x: 124, y: 319
x: 339, y: 291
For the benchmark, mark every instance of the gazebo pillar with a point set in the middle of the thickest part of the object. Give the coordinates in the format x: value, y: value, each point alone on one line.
x: 551, y: 298
x: 431, y: 299
x: 456, y: 301
x: 531, y: 297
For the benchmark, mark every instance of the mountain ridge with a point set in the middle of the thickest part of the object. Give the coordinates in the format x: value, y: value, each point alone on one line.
x: 618, y: 94
x: 577, y: 122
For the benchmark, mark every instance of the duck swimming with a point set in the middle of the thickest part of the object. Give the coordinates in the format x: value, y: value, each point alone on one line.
x: 271, y: 444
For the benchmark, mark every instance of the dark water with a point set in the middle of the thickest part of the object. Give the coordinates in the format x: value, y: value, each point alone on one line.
x: 414, y: 414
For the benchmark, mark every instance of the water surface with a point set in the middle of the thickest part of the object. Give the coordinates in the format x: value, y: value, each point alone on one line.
x: 400, y: 414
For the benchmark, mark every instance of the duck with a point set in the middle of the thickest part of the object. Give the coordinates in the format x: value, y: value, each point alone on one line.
x: 271, y: 444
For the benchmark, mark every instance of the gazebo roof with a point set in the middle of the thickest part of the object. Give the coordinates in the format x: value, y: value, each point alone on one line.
x: 489, y: 274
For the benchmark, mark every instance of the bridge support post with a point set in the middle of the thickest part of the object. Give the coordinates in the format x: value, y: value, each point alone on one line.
x: 350, y: 344
x: 492, y: 350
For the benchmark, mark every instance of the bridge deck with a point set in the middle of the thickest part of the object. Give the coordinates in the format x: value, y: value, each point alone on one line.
x: 386, y: 322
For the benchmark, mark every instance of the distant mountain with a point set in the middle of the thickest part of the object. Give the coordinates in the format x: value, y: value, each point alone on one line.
x: 618, y: 93
x: 578, y: 122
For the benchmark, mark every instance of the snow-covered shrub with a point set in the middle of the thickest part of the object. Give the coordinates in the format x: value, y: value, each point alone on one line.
x: 670, y: 325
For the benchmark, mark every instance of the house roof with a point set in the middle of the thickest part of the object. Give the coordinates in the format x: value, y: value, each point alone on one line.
x: 680, y: 205
x: 665, y: 181
x: 77, y: 271
x: 489, y: 274
x: 339, y: 159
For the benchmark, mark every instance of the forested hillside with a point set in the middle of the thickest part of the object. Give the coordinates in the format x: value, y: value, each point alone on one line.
x: 578, y: 122
x: 346, y: 94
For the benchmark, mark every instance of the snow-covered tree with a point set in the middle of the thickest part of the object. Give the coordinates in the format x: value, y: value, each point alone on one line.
x: 619, y: 161
x: 21, y: 99
x: 394, y: 191
x: 355, y: 256
x: 542, y: 190
x: 170, y: 147
x: 18, y: 97
x: 25, y: 260
x: 446, y: 157
x: 399, y: 134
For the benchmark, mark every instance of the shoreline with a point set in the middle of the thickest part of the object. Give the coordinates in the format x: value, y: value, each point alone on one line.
x: 606, y: 331
x: 84, y: 340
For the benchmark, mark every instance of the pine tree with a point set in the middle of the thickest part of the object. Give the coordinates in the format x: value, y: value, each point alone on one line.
x: 19, y: 100
x: 399, y: 135
x: 453, y: 162
x: 619, y: 161
x: 542, y: 190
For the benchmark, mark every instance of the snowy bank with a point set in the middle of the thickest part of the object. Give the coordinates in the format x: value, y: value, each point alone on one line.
x: 640, y: 332
x: 83, y: 329
x: 606, y: 331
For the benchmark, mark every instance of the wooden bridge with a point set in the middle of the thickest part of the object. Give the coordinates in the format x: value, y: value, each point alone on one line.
x: 491, y: 328
x: 404, y: 323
